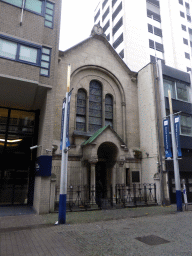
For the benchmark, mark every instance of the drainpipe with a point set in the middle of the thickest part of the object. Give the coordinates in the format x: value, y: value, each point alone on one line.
x: 158, y: 69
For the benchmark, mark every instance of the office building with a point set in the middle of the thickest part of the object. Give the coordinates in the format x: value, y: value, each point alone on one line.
x: 144, y: 31
x: 29, y: 40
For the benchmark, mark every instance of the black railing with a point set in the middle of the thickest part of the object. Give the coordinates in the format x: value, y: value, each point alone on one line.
x: 90, y: 198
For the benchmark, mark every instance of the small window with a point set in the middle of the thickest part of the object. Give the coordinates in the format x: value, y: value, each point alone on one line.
x: 113, y: 2
x: 150, y: 28
x: 49, y: 10
x: 97, y: 15
x: 181, y: 2
x: 182, y: 91
x: 108, y: 37
x: 157, y: 31
x: 34, y: 5
x: 190, y: 31
x: 116, y: 12
x: 151, y: 44
x: 105, y: 14
x: 28, y: 54
x: 106, y: 26
x: 153, y: 59
x: 169, y: 85
x: 188, y: 69
x: 117, y: 26
x: 182, y: 14
x: 8, y: 49
x: 45, y: 61
x: 183, y: 28
x: 118, y: 41
x: 135, y: 176
x: 185, y: 41
x: 121, y: 54
x: 159, y: 47
x: 14, y: 2
x: 104, y: 3
x: 187, y: 5
x: 187, y: 56
x: 186, y: 125
x: 189, y: 18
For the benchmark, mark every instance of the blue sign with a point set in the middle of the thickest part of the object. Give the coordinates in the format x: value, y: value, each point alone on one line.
x: 68, y: 114
x: 167, y: 141
x: 177, y: 135
x: 62, y: 122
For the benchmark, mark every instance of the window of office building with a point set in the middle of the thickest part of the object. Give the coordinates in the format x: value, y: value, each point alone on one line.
x: 186, y: 125
x: 116, y: 12
x: 179, y: 90
x: 182, y: 14
x: 20, y: 51
x: 187, y: 55
x: 189, y: 18
x: 153, y: 2
x: 97, y: 15
x: 105, y: 14
x: 104, y: 3
x: 183, y: 27
x: 40, y: 7
x: 121, y: 54
x: 118, y: 41
x: 188, y: 69
x: 106, y: 26
x: 108, y: 37
x: 117, y: 26
x: 181, y: 2
x: 153, y: 15
x: 185, y: 41
x: 113, y: 2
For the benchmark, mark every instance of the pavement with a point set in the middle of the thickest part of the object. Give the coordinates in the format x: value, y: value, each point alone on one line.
x: 144, y: 231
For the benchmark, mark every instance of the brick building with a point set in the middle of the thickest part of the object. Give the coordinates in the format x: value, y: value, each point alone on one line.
x: 29, y: 39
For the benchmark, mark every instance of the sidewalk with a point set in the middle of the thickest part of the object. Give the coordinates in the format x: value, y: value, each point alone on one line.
x: 105, y: 232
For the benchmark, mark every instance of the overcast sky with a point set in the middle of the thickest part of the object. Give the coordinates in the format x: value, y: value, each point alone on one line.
x: 77, y: 19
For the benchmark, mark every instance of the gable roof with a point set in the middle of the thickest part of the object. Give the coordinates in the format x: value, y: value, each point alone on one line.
x: 99, y: 132
x: 109, y: 46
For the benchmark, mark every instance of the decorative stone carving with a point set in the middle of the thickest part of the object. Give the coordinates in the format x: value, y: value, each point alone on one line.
x: 97, y: 30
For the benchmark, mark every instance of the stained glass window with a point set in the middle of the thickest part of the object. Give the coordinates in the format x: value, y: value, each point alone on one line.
x: 109, y: 110
x: 81, y: 111
x: 95, y: 106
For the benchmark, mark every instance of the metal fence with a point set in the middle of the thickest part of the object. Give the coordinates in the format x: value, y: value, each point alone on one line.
x: 90, y: 198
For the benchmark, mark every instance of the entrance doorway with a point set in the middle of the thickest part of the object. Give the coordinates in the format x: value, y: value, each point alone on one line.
x: 107, y: 155
x: 17, y: 134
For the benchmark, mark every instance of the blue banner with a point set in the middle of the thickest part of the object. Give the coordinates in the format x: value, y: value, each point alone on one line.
x: 177, y: 135
x: 62, y: 122
x: 68, y: 114
x: 167, y: 141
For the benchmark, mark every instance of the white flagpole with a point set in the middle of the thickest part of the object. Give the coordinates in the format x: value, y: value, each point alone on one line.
x: 63, y: 178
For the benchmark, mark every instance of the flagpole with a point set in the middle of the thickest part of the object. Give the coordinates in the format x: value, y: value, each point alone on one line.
x: 64, y: 160
x: 175, y: 160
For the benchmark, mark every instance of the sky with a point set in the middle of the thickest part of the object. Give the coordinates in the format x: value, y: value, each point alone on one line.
x: 77, y: 20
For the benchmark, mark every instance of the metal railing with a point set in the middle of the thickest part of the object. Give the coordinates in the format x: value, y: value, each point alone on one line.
x: 90, y: 198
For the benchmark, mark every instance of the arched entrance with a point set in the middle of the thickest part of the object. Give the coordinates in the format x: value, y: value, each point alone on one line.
x: 107, y: 155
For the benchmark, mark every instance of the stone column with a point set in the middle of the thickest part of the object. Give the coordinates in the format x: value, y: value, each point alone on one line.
x: 93, y: 162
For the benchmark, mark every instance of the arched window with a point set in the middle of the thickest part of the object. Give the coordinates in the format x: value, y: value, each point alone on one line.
x: 81, y: 111
x: 95, y: 106
x: 109, y: 110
